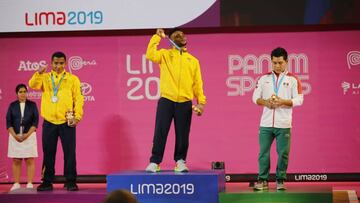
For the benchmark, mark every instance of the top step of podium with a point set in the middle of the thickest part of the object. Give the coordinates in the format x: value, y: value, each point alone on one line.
x: 200, y: 186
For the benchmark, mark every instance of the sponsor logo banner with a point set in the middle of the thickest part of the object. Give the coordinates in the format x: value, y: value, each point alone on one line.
x: 121, y: 88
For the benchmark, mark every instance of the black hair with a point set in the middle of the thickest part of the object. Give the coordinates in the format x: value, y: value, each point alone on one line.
x: 171, y: 31
x: 278, y: 52
x: 19, y: 86
x: 58, y: 54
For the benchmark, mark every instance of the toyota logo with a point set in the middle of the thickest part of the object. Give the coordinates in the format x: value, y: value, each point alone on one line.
x: 86, y: 88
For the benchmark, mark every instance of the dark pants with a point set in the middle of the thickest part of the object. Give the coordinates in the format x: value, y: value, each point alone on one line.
x: 167, y: 111
x: 50, y: 134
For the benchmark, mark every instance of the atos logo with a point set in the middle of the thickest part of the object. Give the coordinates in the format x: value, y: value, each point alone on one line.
x: 26, y: 65
x: 76, y: 63
x: 86, y: 89
x: 45, y: 18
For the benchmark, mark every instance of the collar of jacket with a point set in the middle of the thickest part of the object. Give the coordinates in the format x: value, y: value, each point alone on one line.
x: 183, y: 49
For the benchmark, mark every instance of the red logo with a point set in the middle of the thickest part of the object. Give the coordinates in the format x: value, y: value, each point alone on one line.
x: 45, y: 18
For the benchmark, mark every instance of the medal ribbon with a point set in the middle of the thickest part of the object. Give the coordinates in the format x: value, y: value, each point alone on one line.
x: 56, y: 88
x: 277, y: 86
x: 175, y: 45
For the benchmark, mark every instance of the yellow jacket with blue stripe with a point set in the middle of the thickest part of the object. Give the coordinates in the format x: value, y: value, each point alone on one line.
x: 69, y: 95
x: 180, y: 74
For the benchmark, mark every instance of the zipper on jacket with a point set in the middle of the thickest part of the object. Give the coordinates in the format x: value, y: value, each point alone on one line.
x: 180, y: 67
x: 277, y: 78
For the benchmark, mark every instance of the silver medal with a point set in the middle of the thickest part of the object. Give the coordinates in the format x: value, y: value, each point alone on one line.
x: 54, y: 99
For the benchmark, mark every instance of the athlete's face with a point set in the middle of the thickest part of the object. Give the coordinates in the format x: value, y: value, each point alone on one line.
x: 278, y: 64
x: 58, y: 64
x: 179, y: 38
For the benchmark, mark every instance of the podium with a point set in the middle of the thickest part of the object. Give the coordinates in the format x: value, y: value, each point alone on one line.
x: 295, y: 193
x: 168, y: 186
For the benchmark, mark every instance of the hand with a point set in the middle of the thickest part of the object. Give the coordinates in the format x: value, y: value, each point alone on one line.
x: 198, y: 109
x: 268, y: 103
x: 273, y: 98
x: 275, y: 101
x: 18, y: 138
x: 73, y: 122
x: 161, y: 32
x: 25, y: 136
x: 42, y: 69
x: 271, y: 101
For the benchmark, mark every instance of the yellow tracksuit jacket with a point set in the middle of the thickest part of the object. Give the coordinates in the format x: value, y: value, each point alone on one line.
x: 69, y: 96
x: 180, y: 74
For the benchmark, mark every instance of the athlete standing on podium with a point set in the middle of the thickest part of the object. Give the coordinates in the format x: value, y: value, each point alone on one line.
x: 61, y: 94
x: 180, y: 82
x: 278, y: 92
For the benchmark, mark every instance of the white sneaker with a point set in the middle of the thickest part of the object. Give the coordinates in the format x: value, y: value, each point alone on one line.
x: 29, y: 185
x: 280, y: 185
x: 261, y: 185
x: 181, y: 166
x: 153, y: 168
x: 15, y: 187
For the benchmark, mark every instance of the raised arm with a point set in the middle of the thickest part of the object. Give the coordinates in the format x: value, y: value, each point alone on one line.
x: 36, y: 81
x: 152, y: 52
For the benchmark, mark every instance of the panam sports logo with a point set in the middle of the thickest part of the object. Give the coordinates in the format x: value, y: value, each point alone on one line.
x: 244, y: 71
x: 56, y: 18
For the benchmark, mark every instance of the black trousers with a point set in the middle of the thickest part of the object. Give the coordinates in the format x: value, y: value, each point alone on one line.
x: 167, y: 111
x: 50, y: 135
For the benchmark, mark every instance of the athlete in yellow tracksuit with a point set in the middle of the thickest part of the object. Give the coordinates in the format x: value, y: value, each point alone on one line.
x: 61, y: 92
x: 180, y: 83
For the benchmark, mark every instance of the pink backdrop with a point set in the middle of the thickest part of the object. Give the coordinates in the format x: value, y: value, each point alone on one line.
x: 121, y: 89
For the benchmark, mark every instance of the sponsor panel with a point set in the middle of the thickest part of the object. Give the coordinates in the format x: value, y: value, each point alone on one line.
x: 121, y: 88
x: 243, y: 71
x: 350, y: 85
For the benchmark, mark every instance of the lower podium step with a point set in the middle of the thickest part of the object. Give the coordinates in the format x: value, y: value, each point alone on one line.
x: 295, y: 193
x: 170, y: 187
